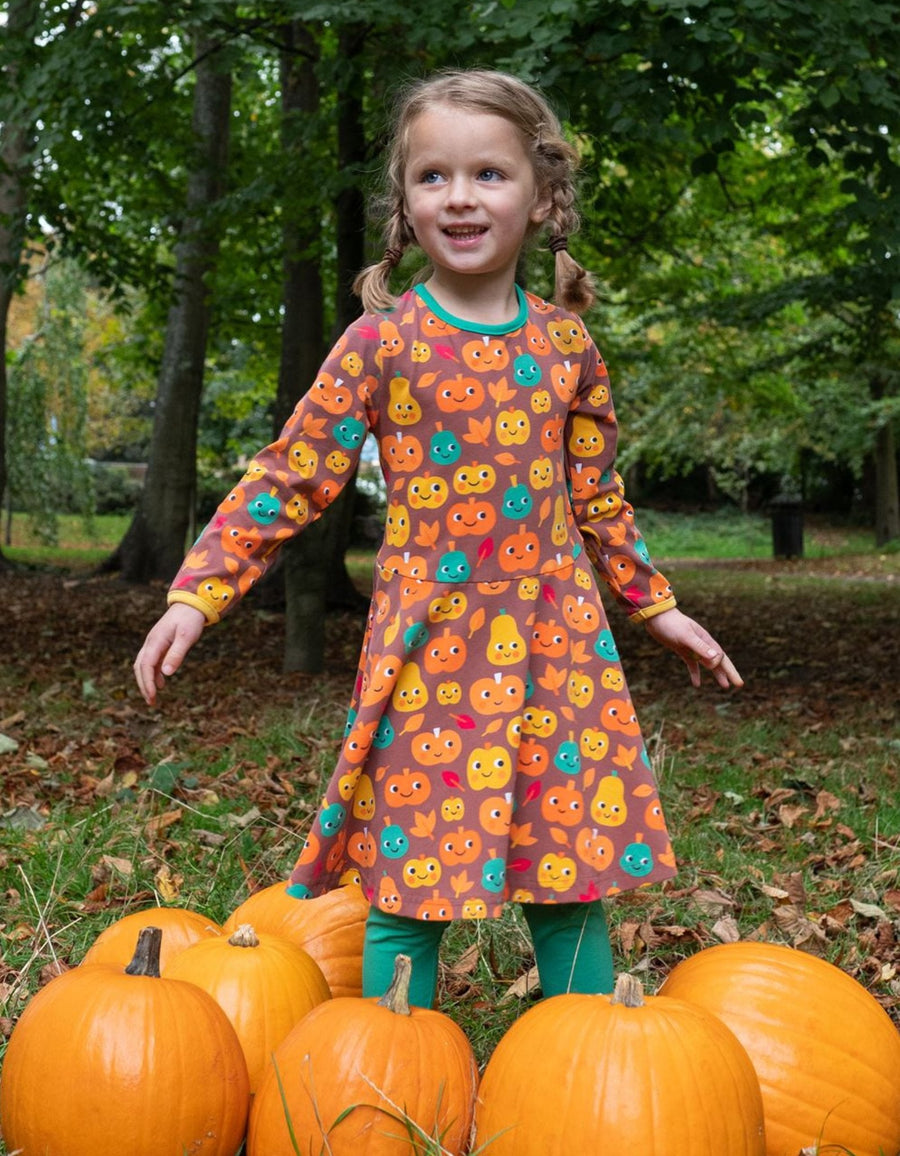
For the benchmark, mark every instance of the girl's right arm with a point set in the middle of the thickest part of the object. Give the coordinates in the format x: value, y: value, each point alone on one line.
x: 286, y: 488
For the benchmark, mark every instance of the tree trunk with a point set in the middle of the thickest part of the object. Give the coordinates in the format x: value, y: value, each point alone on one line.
x: 350, y: 213
x: 154, y: 545
x: 352, y: 158
x: 15, y: 173
x: 887, y: 494
x: 315, y: 573
x: 302, y: 347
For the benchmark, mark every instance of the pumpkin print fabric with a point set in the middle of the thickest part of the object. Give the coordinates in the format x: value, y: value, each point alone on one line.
x: 491, y: 750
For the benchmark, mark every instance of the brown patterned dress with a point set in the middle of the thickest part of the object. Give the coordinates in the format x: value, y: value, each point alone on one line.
x: 491, y: 750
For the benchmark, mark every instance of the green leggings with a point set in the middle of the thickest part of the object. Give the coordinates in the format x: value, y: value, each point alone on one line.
x: 571, y: 947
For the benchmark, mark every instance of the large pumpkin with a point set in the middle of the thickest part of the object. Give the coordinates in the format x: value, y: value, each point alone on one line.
x: 106, y: 1061
x: 826, y: 1053
x: 330, y: 928
x: 263, y: 983
x: 621, y: 1074
x: 180, y: 928
x: 360, y: 1077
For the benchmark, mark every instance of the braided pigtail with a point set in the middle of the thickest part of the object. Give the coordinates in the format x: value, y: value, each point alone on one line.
x: 574, y: 286
x: 372, y: 284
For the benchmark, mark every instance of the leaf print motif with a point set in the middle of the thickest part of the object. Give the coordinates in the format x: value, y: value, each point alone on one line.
x: 520, y: 835
x: 479, y: 432
x: 423, y: 827
x: 428, y: 535
x: 461, y: 883
x: 500, y: 391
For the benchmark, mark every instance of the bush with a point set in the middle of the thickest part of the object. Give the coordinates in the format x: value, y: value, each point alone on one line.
x: 117, y: 486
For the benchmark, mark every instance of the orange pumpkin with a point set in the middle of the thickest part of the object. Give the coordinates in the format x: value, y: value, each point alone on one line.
x: 485, y: 354
x: 460, y: 846
x: 564, y: 378
x: 497, y: 694
x: 533, y: 757
x: 403, y: 452
x: 594, y: 849
x: 407, y: 788
x: 636, y: 1074
x: 436, y: 747
x: 552, y: 434
x: 459, y: 393
x: 447, y: 652
x: 436, y: 909
x: 474, y: 516
x: 826, y: 1053
x: 580, y: 614
x: 518, y: 550
x: 107, y: 1060
x: 180, y: 926
x: 332, y: 395
x: 563, y: 805
x: 362, y: 848
x: 329, y: 927
x: 495, y: 814
x: 263, y: 983
x: 354, y: 1077
x: 550, y: 639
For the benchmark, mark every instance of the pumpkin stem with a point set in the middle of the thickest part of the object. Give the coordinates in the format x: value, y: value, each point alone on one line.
x: 629, y: 991
x: 396, y: 998
x: 146, y: 955
x: 245, y: 936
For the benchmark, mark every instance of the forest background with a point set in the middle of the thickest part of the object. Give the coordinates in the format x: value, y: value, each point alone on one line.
x: 183, y: 193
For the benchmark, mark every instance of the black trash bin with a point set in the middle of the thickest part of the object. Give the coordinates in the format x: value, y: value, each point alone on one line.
x: 787, y: 527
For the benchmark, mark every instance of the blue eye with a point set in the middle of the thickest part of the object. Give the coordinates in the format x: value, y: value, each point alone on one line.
x: 489, y: 175
x: 430, y: 178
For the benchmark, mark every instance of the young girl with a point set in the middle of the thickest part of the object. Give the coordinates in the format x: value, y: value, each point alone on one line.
x: 491, y: 751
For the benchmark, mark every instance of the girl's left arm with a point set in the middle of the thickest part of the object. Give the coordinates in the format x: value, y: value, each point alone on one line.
x: 612, y: 539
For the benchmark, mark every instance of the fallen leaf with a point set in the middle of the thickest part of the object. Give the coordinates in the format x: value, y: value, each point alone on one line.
x: 168, y: 884
x: 523, y: 987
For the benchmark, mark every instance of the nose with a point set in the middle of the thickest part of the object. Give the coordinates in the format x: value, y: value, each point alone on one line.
x: 460, y: 192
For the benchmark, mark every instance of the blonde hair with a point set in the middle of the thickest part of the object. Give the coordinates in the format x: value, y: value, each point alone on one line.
x: 554, y: 159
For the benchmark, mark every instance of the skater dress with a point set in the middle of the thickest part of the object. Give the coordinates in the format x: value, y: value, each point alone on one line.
x: 491, y: 750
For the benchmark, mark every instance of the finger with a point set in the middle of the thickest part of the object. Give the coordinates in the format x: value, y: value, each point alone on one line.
x: 723, y: 669
x: 727, y: 674
x: 148, y: 675
x: 689, y: 659
x: 146, y: 679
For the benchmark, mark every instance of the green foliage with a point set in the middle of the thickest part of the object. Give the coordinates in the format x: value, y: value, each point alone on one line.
x: 740, y: 200
x: 47, y: 437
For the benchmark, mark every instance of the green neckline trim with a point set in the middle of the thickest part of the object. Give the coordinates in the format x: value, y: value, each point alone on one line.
x: 473, y: 326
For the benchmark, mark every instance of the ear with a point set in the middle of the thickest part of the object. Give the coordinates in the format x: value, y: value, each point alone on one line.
x: 543, y: 203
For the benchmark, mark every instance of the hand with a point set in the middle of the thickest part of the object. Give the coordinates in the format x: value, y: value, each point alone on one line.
x: 694, y: 645
x: 165, y: 648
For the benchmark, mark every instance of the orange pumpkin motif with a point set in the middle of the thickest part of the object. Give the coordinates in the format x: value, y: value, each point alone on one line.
x: 460, y: 394
x: 407, y: 788
x: 460, y: 846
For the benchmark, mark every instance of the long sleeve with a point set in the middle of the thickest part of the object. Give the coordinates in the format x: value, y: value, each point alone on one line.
x: 604, y: 516
x: 285, y: 488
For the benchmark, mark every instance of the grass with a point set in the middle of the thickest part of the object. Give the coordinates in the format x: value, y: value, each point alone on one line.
x: 782, y: 799
x: 714, y: 535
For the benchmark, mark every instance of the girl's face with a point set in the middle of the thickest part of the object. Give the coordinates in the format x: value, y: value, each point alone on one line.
x: 470, y: 193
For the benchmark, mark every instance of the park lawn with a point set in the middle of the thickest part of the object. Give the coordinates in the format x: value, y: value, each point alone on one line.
x: 707, y: 535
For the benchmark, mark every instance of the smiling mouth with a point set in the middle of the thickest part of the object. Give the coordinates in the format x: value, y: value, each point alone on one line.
x: 470, y: 233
